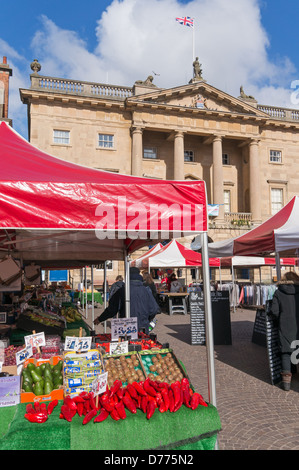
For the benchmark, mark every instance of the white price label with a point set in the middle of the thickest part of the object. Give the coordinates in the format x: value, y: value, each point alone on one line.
x: 124, y: 326
x: 119, y: 347
x: 77, y: 344
x: 99, y: 385
x: 24, y: 354
x: 36, y: 341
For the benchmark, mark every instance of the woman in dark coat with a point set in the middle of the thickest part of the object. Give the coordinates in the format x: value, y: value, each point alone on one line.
x: 285, y: 308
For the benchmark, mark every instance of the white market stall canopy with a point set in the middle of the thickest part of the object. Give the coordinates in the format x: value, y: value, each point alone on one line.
x: 172, y: 255
x: 279, y: 234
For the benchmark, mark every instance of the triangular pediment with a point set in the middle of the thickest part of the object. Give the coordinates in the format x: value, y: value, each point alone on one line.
x: 198, y: 95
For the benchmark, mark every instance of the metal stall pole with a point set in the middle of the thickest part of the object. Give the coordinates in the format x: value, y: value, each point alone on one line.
x: 92, y: 297
x: 127, y: 285
x: 208, y: 320
x: 105, y: 293
x: 82, y: 289
x: 278, y: 270
x: 233, y: 289
x: 86, y: 303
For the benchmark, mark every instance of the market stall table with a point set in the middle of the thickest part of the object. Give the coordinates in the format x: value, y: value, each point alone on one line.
x: 185, y: 429
x: 175, y: 308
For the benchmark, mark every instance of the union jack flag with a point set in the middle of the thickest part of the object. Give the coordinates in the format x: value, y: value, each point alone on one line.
x: 185, y: 20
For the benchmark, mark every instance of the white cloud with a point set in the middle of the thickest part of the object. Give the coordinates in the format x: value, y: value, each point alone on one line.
x: 138, y: 37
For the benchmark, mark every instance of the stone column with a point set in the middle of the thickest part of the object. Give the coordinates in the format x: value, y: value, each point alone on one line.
x: 178, y: 163
x: 218, y: 175
x: 254, y: 181
x: 137, y: 150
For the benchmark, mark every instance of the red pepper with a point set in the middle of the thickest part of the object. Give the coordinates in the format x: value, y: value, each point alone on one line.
x: 162, y: 407
x: 106, y: 403
x: 86, y: 406
x: 175, y: 386
x: 89, y: 416
x: 67, y: 413
x: 114, y: 415
x: 68, y: 401
x: 185, y: 383
x: 139, y: 389
x: 171, y: 400
x: 84, y: 395
x: 150, y: 409
x: 196, y: 400
x: 92, y: 402
x: 154, y: 384
x: 40, y: 417
x: 80, y: 407
x: 29, y: 408
x: 187, y: 397
x: 148, y: 388
x: 116, y: 386
x: 43, y: 407
x: 159, y: 399
x: 129, y: 404
x: 165, y: 397
x: 144, y: 402
x: 181, y: 401
x: 120, y: 393
x: 36, y: 406
x: 79, y: 399
x: 132, y: 391
x: 120, y: 408
x: 102, y: 416
x: 51, y: 406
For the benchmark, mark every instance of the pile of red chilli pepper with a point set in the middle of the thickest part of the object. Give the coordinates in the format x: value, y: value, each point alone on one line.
x: 147, y: 396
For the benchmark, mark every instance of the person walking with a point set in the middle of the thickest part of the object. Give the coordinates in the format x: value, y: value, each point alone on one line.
x: 119, y: 282
x: 142, y: 303
x: 285, y: 309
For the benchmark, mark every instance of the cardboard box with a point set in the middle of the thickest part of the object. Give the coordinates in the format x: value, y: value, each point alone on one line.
x: 10, y: 387
x: 29, y: 397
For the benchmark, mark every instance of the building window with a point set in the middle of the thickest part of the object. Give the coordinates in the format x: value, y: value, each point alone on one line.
x: 275, y: 156
x: 106, y: 141
x: 61, y: 137
x: 276, y: 200
x: 150, y: 152
x: 226, y: 200
x: 225, y: 159
x: 188, y: 156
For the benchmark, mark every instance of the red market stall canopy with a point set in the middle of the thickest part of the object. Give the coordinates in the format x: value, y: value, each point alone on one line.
x: 52, y: 210
x: 279, y: 234
x: 254, y: 262
x: 173, y: 255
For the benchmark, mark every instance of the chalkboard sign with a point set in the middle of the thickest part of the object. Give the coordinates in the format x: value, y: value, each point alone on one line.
x: 273, y: 347
x: 220, y: 318
x: 259, y: 328
x: 197, y: 318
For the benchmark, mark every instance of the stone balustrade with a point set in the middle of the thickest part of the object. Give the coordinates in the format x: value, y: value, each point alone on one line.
x: 80, y: 87
x: 280, y: 113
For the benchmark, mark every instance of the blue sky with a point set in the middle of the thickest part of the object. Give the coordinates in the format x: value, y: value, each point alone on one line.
x: 239, y: 42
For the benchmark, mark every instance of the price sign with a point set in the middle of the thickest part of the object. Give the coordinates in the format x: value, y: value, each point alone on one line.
x: 99, y: 385
x: 119, y: 347
x: 36, y: 340
x: 124, y: 326
x: 77, y: 344
x: 24, y: 354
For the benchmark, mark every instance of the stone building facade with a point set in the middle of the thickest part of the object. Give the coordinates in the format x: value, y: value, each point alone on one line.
x: 246, y: 153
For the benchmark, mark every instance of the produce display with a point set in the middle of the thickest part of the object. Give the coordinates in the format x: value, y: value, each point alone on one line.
x: 42, y: 379
x: 10, y: 355
x: 80, y: 370
x: 127, y: 369
x: 162, y: 367
x: 71, y: 314
x: 147, y: 396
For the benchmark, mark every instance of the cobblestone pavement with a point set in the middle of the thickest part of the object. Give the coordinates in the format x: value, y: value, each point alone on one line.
x: 255, y: 415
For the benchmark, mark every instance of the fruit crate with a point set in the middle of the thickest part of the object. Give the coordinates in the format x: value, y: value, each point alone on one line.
x: 162, y: 365
x: 24, y: 322
x: 30, y: 397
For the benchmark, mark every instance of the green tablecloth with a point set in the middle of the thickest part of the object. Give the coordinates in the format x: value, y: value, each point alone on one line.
x: 97, y: 297
x: 183, y: 430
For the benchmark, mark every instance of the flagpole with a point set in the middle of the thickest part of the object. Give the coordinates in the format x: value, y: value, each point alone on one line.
x: 193, y: 41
